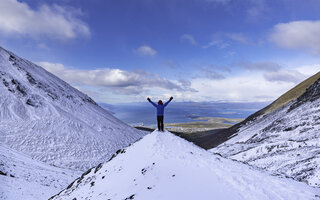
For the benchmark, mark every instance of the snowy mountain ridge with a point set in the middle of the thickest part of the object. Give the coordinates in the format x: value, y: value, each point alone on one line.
x: 44, y: 117
x: 284, y: 141
x: 164, y: 166
x: 286, y: 98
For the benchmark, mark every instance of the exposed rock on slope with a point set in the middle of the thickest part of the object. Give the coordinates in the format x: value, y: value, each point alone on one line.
x: 292, y: 94
x: 51, y: 121
x: 285, y: 141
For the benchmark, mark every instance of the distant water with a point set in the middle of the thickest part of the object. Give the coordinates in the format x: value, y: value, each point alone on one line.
x: 178, y: 112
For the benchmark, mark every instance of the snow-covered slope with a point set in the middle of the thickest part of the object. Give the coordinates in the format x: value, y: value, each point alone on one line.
x: 163, y: 166
x: 285, y: 141
x: 293, y: 94
x: 24, y: 178
x: 51, y: 121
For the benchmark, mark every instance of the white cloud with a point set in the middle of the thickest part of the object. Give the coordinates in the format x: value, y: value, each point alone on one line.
x: 145, y: 51
x: 212, y: 74
x: 117, y: 80
x: 240, y: 88
x: 256, y: 85
x: 239, y: 37
x: 256, y: 10
x: 309, y: 69
x: 110, y: 85
x: 274, y: 72
x: 261, y: 66
x: 212, y: 43
x: 225, y: 40
x: 218, y: 43
x: 298, y: 35
x: 293, y: 76
x: 119, y: 86
x: 52, y: 21
x: 189, y: 38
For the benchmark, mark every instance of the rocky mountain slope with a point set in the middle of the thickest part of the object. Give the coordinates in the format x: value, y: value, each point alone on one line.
x: 44, y: 117
x: 21, y: 177
x: 284, y: 141
x: 214, y: 140
x: 164, y: 166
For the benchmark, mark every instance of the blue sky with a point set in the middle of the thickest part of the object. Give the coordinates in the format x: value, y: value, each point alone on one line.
x: 195, y: 50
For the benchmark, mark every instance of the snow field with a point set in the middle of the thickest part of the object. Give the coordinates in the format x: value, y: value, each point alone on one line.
x: 164, y: 166
x: 29, y: 179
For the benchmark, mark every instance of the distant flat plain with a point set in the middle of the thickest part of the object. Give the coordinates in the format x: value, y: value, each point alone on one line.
x: 202, y: 124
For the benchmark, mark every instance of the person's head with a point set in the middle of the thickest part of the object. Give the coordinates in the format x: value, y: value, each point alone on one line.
x: 160, y: 102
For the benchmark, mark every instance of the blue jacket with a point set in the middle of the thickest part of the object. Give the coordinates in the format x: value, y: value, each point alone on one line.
x: 160, y: 108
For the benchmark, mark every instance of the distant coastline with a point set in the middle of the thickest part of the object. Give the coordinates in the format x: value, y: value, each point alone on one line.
x: 201, y: 125
x: 186, y: 116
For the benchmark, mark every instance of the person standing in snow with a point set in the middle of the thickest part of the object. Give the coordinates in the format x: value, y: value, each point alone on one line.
x: 160, y: 111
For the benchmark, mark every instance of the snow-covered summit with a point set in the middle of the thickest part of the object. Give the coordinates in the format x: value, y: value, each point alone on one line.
x: 285, y: 141
x: 164, y: 166
x: 46, y: 118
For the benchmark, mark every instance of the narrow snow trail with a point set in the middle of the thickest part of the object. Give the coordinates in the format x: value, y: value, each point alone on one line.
x: 164, y: 166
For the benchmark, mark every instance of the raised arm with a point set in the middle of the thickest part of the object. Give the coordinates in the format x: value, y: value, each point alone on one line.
x: 168, y: 101
x: 155, y: 105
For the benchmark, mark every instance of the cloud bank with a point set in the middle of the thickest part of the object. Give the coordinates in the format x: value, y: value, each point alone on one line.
x: 246, y: 87
x: 117, y: 80
x: 55, y: 21
x: 258, y: 82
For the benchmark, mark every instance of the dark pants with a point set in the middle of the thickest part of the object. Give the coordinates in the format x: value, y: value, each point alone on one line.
x: 160, y: 123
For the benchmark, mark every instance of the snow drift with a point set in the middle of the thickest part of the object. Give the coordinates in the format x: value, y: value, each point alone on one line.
x: 164, y: 166
x: 46, y: 118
